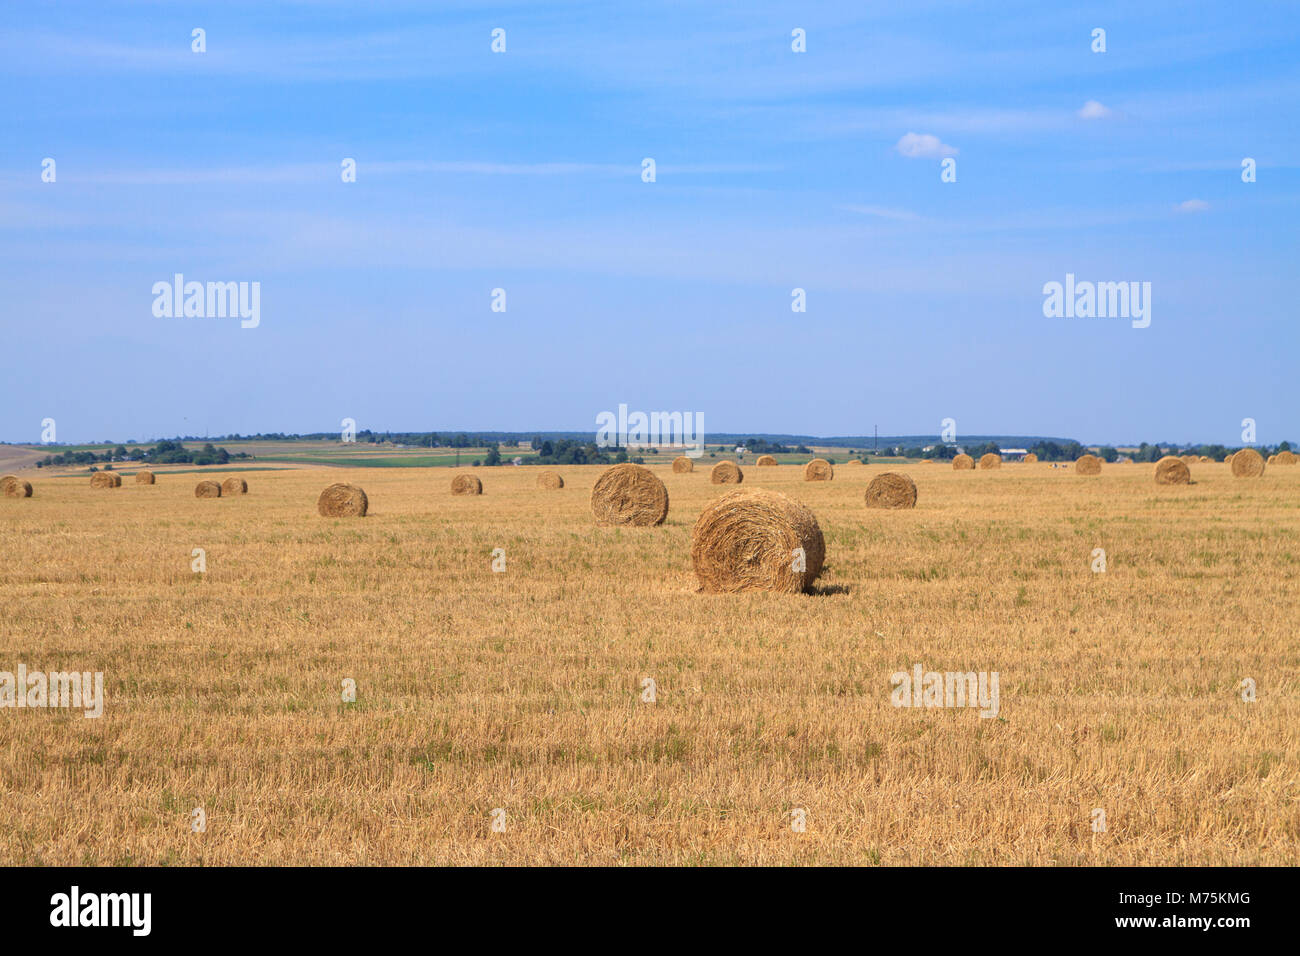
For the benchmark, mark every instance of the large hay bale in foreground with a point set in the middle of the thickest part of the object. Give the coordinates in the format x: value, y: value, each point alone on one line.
x: 682, y: 464
x: 105, y: 479
x: 819, y: 469
x: 234, y: 486
x: 990, y: 460
x: 764, y: 461
x: 891, y: 490
x: 1087, y: 465
x: 726, y: 473
x: 341, y: 500
x: 747, y: 540
x: 1030, y: 459
x: 144, y: 478
x: 963, y: 463
x: 1247, y: 463
x: 550, y: 480
x: 629, y: 494
x: 466, y: 485
x: 1172, y: 470
x: 207, y: 489
x: 11, y: 486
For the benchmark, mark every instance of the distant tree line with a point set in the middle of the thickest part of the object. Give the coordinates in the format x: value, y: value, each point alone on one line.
x: 166, y: 452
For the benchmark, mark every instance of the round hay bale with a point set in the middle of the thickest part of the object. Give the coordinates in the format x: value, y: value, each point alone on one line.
x: 207, y: 489
x: 819, y: 469
x: 1087, y: 465
x: 629, y: 494
x: 234, y: 486
x: 144, y: 478
x: 963, y: 463
x: 991, y: 460
x: 682, y: 464
x: 1172, y: 470
x: 550, y: 480
x: 1247, y: 463
x: 1227, y: 459
x: 1189, y: 459
x: 466, y: 485
x: 746, y: 540
x: 1287, y: 458
x: 1030, y: 459
x: 11, y: 486
x: 891, y: 490
x: 764, y: 461
x: 854, y: 461
x: 341, y: 500
x: 1206, y: 458
x: 927, y: 461
x: 726, y: 473
x: 105, y: 479
x: 1272, y: 459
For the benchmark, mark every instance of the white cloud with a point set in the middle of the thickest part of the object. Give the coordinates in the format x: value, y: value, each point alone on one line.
x: 924, y: 146
x: 1193, y: 205
x: 1093, y: 110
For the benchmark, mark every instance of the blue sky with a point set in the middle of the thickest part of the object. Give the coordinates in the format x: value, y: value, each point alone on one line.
x: 775, y: 170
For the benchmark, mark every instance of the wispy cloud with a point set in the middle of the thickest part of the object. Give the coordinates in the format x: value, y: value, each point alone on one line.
x: 880, y: 212
x: 1193, y: 205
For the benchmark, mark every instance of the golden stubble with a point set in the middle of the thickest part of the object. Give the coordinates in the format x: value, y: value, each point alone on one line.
x: 522, y: 690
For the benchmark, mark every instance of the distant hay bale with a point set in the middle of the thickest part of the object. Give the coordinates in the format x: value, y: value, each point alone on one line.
x: 1287, y: 458
x: 749, y: 540
x: 1030, y: 459
x: 854, y: 461
x: 629, y: 494
x: 1272, y: 459
x: 341, y: 500
x: 466, y: 485
x: 144, y: 478
x: 1087, y: 465
x: 1189, y: 459
x: 1247, y: 463
x: 991, y: 460
x: 765, y: 460
x: 927, y: 461
x: 1205, y: 458
x: 234, y: 486
x: 891, y: 490
x: 1227, y: 460
x: 682, y: 464
x: 11, y: 486
x: 963, y: 463
x: 550, y: 480
x: 105, y: 479
x: 207, y: 489
x: 819, y: 469
x: 726, y: 473
x: 1172, y: 470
